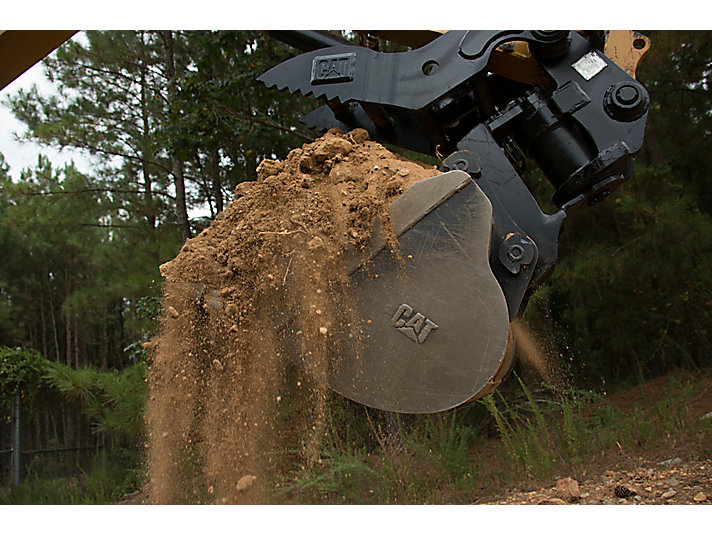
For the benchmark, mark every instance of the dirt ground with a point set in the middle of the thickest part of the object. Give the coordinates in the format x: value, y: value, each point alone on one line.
x: 672, y: 481
x: 674, y: 474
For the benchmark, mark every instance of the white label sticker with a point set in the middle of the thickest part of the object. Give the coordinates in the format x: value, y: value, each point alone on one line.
x: 589, y: 65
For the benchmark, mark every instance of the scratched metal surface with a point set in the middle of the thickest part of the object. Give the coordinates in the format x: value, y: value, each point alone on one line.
x: 434, y: 325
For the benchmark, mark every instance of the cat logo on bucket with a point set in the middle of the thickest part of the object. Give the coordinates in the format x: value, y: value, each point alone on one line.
x: 335, y: 68
x: 413, y: 325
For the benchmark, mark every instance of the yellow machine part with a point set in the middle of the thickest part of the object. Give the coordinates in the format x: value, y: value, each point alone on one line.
x: 21, y: 49
x: 627, y: 48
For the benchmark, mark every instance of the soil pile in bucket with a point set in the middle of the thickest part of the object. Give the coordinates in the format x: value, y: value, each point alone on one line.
x: 223, y: 400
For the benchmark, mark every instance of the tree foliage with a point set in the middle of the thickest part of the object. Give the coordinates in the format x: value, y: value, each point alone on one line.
x: 22, y: 373
x: 113, y: 400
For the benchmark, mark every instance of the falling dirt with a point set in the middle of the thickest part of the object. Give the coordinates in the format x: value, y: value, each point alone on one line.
x: 531, y: 351
x: 223, y: 397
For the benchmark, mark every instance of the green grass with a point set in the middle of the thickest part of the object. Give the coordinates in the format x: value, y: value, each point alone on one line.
x: 449, y: 458
x: 103, y: 482
x: 566, y: 431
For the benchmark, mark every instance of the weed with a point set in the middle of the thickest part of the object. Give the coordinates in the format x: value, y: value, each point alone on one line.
x: 101, y: 483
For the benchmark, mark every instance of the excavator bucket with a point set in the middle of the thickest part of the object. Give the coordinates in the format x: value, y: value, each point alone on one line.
x: 432, y: 321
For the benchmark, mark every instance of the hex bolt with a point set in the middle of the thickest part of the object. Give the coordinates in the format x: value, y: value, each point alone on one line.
x: 551, y: 44
x: 515, y: 253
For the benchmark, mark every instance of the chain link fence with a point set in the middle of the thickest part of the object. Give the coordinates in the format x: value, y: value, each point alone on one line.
x: 47, y: 440
x: 5, y: 448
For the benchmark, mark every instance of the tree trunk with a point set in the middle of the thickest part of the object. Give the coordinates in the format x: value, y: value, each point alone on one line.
x: 67, y: 322
x: 43, y: 323
x: 181, y: 205
x: 146, y: 156
x: 214, y: 169
x: 54, y: 322
x: 176, y: 163
x: 653, y: 150
x: 76, y: 342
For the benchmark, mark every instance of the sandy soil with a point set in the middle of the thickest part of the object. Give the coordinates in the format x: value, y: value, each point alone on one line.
x: 270, y: 263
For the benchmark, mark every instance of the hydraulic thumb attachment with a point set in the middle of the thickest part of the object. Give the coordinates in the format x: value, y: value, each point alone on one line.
x: 439, y: 332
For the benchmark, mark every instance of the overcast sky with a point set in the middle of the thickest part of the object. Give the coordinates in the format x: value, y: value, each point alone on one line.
x: 21, y: 155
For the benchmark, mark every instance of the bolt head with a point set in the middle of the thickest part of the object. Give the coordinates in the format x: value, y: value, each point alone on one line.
x: 515, y: 253
x: 626, y: 101
x: 460, y: 165
x: 627, y: 94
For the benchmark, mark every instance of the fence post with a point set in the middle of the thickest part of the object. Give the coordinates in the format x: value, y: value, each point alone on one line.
x: 15, y: 435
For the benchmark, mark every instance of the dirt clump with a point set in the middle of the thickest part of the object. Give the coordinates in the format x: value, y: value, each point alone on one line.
x: 222, y: 397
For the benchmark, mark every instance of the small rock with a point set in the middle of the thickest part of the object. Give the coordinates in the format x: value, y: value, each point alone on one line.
x: 669, y: 494
x: 315, y: 243
x: 332, y: 146
x: 306, y: 164
x: 217, y: 365
x: 707, y: 416
x: 673, y: 482
x: 244, y: 187
x: 245, y: 482
x: 700, y: 497
x: 323, y: 330
x: 671, y: 462
x: 553, y: 500
x: 568, y: 489
x: 266, y: 168
x: 173, y: 312
x: 359, y: 135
